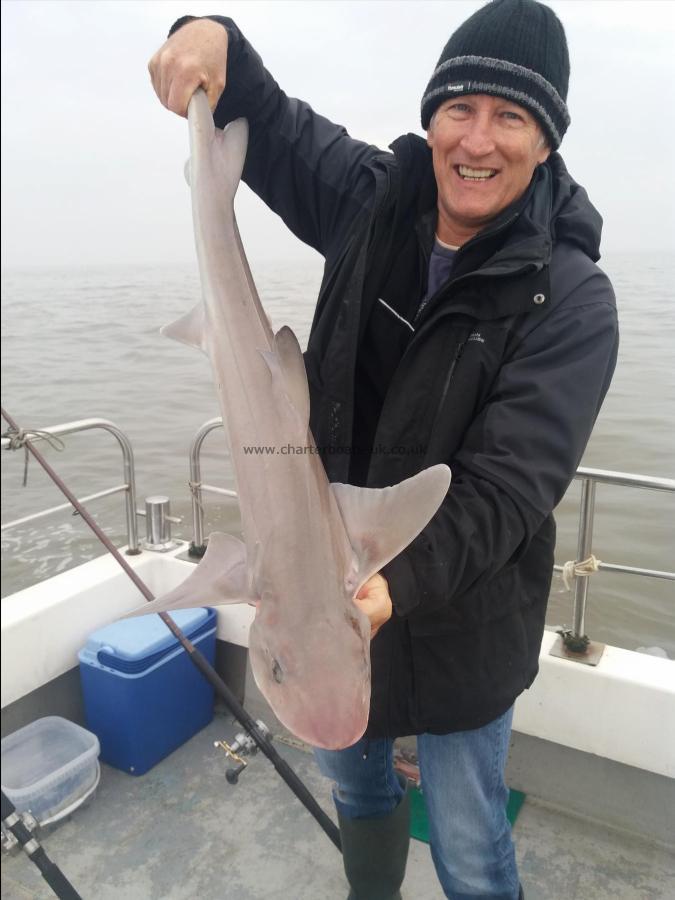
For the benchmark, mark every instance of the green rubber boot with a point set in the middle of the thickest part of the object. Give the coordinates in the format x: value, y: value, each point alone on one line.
x: 375, y: 852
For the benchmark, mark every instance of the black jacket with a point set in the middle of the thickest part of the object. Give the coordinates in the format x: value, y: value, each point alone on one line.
x: 502, y: 379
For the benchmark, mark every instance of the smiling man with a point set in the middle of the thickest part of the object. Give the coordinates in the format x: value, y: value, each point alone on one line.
x: 462, y: 319
x: 484, y: 151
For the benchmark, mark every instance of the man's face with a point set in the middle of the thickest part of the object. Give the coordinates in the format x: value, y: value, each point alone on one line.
x: 484, y: 151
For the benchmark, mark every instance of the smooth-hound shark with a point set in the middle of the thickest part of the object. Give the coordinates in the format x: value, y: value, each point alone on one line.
x: 308, y: 545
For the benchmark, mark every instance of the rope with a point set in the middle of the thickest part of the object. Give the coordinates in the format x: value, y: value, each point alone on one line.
x: 573, y: 569
x: 194, y: 490
x: 20, y: 437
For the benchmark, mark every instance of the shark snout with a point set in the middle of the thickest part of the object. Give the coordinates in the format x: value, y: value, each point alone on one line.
x: 333, y: 721
x: 320, y: 691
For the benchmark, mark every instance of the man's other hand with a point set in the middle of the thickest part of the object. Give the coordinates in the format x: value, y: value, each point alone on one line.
x: 373, y: 599
x: 194, y: 56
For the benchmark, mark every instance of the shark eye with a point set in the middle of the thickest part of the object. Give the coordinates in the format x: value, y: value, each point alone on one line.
x: 277, y: 673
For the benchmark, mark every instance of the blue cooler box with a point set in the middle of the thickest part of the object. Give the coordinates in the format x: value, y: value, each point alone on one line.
x: 143, y: 696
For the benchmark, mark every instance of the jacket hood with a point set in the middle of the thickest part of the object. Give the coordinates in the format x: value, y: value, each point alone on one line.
x: 555, y: 205
x: 574, y: 219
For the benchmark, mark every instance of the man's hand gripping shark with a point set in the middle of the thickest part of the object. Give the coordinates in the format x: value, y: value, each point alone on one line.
x: 308, y: 545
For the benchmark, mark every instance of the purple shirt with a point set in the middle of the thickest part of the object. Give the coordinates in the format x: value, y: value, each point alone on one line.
x: 440, y: 266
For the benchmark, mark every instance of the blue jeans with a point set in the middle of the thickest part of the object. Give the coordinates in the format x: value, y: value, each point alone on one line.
x: 462, y: 777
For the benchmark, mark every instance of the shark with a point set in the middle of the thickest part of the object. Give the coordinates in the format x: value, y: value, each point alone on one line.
x: 308, y: 545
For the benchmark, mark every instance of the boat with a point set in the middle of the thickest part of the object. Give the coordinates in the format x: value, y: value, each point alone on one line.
x: 593, y: 747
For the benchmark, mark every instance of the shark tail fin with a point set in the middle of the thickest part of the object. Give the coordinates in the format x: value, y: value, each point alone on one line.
x: 226, y: 148
x: 382, y: 522
x: 221, y: 577
x: 228, y: 153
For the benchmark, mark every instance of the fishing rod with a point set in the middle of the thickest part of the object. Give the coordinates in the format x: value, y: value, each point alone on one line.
x: 21, y: 827
x: 21, y: 438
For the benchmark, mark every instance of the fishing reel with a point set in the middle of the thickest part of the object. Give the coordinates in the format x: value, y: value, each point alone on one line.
x: 8, y: 840
x: 243, y: 745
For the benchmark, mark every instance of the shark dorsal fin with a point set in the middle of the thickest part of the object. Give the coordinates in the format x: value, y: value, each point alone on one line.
x: 381, y: 522
x: 287, y: 367
x: 293, y: 368
x: 189, y: 329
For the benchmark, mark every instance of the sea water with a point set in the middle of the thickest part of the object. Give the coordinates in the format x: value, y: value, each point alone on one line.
x: 85, y: 343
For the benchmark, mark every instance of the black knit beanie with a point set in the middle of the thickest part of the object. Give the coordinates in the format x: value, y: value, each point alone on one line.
x: 508, y: 48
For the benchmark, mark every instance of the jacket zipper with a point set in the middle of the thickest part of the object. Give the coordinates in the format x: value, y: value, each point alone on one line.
x: 448, y: 379
x: 451, y: 370
x: 454, y: 281
x: 460, y: 347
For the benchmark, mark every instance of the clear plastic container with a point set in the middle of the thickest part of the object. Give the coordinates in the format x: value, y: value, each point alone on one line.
x: 50, y: 767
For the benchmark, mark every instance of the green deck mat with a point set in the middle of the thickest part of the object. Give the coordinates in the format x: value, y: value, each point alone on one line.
x: 419, y: 823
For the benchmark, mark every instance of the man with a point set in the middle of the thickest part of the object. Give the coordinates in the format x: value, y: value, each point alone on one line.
x: 461, y: 319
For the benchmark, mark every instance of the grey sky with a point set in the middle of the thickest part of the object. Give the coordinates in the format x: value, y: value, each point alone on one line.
x: 92, y: 164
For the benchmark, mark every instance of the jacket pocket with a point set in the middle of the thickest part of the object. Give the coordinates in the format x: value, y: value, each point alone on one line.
x: 498, y: 598
x: 463, y: 679
x: 494, y: 600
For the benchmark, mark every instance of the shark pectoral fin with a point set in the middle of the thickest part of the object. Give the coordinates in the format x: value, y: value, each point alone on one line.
x: 287, y: 367
x: 382, y: 522
x: 190, y: 329
x: 221, y: 577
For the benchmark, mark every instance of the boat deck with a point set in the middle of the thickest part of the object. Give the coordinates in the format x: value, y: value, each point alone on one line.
x: 182, y: 832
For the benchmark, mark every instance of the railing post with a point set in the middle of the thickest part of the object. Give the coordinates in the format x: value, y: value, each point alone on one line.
x: 573, y: 643
x: 130, y: 497
x: 198, y: 547
x: 584, y: 550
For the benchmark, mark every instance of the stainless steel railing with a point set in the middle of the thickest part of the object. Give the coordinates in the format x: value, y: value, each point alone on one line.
x: 576, y: 638
x: 589, y: 479
x: 197, y: 547
x: 128, y: 487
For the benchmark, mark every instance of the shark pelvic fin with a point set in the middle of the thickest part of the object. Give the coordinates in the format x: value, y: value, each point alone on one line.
x: 189, y: 329
x: 221, y: 577
x: 287, y: 367
x: 380, y: 523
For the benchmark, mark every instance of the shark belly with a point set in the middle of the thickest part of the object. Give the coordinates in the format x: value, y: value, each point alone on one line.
x: 308, y: 545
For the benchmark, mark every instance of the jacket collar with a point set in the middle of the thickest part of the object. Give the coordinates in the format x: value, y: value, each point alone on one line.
x: 518, y: 242
x: 518, y: 236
